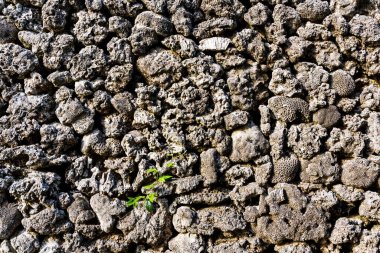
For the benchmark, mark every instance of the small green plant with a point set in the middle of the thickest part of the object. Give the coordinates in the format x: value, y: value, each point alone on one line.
x: 150, y: 198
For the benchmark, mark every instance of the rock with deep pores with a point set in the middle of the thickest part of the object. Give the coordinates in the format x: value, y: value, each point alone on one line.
x: 313, y: 10
x: 289, y: 222
x: 286, y: 15
x: 306, y: 140
x: 369, y: 241
x: 183, y: 46
x: 222, y: 8
x: 370, y: 206
x: 346, y: 230
x: 88, y: 63
x: 15, y: 60
x: 348, y: 193
x: 366, y: 28
x: 288, y: 109
x: 54, y: 15
x: 238, y: 175
x: 257, y: 14
x: 160, y: 66
x: 122, y: 8
x: 213, y: 27
x: 240, y: 126
x: 158, y: 23
x: 327, y: 55
x: 91, y: 27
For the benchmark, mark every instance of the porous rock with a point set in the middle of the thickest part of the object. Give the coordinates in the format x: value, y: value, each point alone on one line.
x: 236, y: 126
x: 248, y: 143
x: 205, y: 221
x: 10, y: 219
x: 360, y: 172
x: 346, y: 230
x: 106, y: 209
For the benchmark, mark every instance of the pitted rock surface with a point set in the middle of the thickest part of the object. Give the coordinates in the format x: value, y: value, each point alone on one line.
x: 265, y: 112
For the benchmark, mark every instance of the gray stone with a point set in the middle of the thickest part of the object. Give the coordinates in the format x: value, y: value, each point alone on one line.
x: 25, y: 242
x: 107, y: 210
x: 366, y: 28
x: 205, y: 221
x: 322, y: 168
x: 8, y: 31
x: 236, y: 119
x: 370, y: 206
x: 248, y: 143
x: 209, y: 166
x: 48, y: 222
x: 360, y: 172
x: 10, y: 219
x: 346, y: 230
x: 327, y: 117
x: 191, y: 243
x: 369, y: 241
x: 15, y: 60
x: 313, y: 10
x: 80, y: 210
x: 142, y: 226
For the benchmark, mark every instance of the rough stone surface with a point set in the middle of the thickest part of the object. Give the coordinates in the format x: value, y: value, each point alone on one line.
x: 209, y: 166
x: 369, y: 207
x: 248, y: 143
x: 360, y: 172
x: 321, y: 169
x: 106, y: 216
x: 346, y: 230
x: 205, y: 221
x: 191, y: 243
x: 247, y: 126
x: 10, y: 219
x: 47, y: 222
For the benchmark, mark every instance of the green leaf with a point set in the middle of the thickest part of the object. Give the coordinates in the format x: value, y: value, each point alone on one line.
x: 170, y: 165
x: 130, y: 202
x: 149, y: 206
x: 152, y: 170
x: 133, y: 201
x: 152, y: 197
x: 163, y: 178
x: 149, y: 186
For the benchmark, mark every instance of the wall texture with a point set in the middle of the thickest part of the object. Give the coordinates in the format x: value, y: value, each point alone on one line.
x: 259, y: 118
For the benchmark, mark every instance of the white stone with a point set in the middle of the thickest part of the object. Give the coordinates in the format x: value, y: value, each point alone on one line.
x: 214, y: 44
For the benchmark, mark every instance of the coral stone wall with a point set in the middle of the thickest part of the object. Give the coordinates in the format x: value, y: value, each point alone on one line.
x: 189, y: 126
